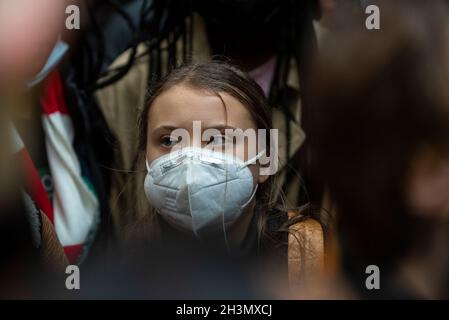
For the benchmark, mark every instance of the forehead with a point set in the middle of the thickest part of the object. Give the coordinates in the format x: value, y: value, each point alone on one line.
x: 180, y: 105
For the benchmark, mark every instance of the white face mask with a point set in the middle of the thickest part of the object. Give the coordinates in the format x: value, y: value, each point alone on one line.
x: 199, y: 190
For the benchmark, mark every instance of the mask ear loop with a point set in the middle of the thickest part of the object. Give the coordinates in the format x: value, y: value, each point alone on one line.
x: 246, y: 163
x: 254, y: 159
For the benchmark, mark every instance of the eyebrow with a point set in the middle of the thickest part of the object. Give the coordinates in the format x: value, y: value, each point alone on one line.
x: 220, y: 127
x: 164, y: 128
x: 171, y: 128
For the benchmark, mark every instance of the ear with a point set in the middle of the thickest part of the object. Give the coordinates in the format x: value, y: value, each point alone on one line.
x: 427, y: 191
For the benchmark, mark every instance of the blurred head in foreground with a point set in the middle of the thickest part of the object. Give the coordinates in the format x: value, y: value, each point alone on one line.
x: 381, y: 139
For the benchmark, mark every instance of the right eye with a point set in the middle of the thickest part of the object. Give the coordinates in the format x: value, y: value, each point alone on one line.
x: 168, y: 141
x: 217, y: 140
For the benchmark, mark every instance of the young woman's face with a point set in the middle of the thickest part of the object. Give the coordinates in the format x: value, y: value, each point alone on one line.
x: 180, y: 106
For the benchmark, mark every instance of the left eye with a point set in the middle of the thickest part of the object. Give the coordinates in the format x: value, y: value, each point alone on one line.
x: 168, y: 142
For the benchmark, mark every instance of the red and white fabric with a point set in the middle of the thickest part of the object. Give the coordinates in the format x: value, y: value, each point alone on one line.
x: 75, y: 205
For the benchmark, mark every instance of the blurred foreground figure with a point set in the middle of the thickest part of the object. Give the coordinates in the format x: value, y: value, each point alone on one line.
x: 59, y: 137
x: 31, y: 254
x: 28, y: 30
x: 381, y: 138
